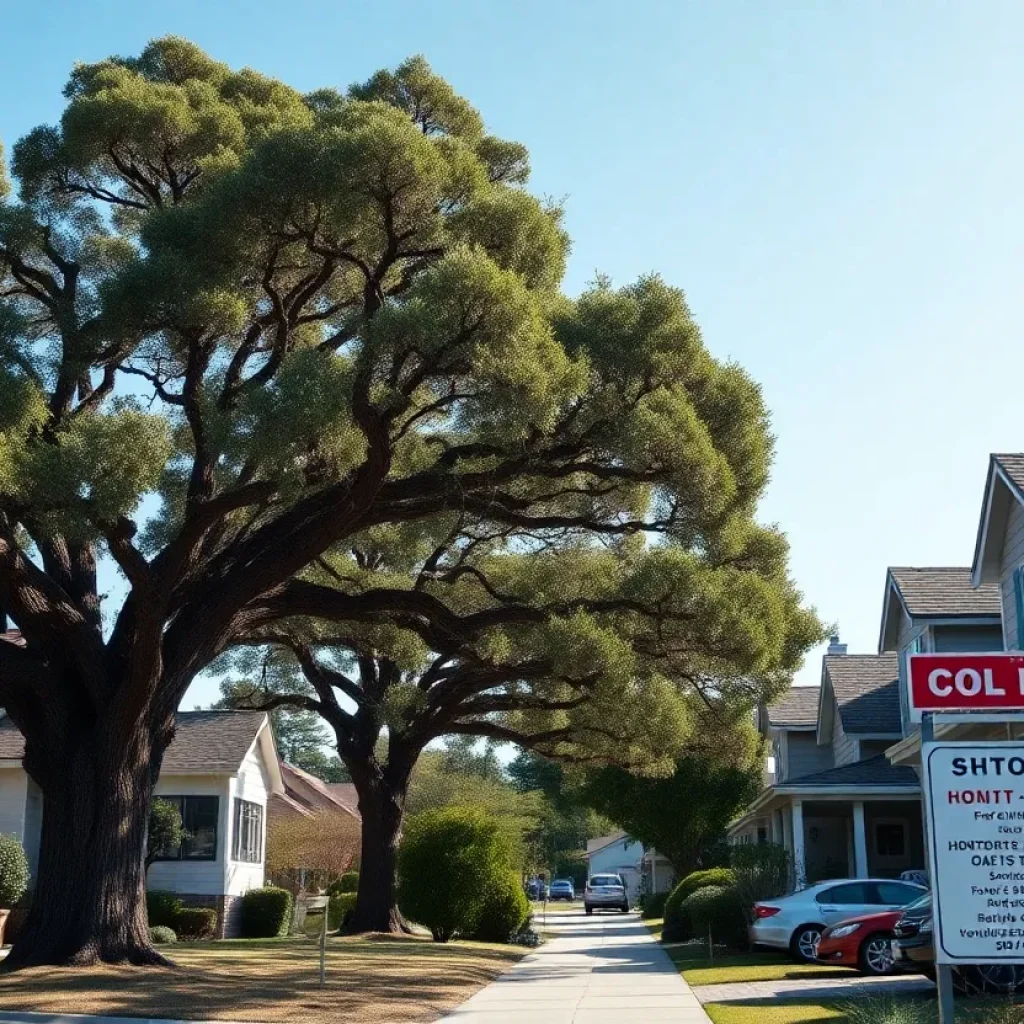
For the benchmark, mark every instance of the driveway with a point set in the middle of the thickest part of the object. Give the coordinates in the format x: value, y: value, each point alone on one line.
x: 591, y: 970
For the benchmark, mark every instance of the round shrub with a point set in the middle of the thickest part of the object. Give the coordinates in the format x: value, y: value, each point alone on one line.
x: 505, y: 911
x: 716, y: 908
x: 163, y: 908
x: 161, y: 935
x: 652, y: 904
x: 196, y: 923
x: 449, y: 860
x: 677, y: 926
x: 266, y: 913
x: 13, y: 871
x: 349, y: 882
x: 337, y: 907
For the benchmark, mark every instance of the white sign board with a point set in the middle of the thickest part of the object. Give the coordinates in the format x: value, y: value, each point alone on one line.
x: 974, y: 799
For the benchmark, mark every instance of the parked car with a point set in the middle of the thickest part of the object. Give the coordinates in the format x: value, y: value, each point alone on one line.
x: 864, y: 943
x: 605, y: 892
x: 913, y: 949
x: 796, y: 922
x: 562, y: 889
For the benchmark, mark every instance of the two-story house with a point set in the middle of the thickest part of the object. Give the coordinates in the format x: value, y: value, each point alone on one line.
x: 837, y: 804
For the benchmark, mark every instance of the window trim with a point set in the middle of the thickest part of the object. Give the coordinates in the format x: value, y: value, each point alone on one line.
x: 240, y: 804
x: 181, y: 798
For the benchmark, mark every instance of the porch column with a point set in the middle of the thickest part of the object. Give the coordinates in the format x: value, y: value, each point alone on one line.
x: 799, y: 861
x: 654, y: 872
x: 860, y: 840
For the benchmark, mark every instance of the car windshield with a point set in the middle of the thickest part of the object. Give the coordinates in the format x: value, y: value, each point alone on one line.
x: 606, y: 880
x: 563, y: 882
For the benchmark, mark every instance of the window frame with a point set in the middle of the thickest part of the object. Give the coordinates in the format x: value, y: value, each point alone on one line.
x: 904, y: 826
x: 180, y: 799
x: 260, y: 817
x: 852, y: 884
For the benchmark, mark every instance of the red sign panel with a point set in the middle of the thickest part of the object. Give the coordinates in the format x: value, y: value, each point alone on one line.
x: 967, y: 682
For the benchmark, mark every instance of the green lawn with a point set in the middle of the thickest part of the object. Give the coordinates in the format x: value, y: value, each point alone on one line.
x: 865, y: 1010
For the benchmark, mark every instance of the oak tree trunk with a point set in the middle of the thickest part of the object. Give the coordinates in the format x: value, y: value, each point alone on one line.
x: 89, y: 902
x: 382, y: 807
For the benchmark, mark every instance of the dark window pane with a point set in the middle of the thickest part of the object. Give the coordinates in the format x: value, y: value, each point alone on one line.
x: 890, y: 839
x: 200, y: 819
x: 855, y: 892
x: 895, y: 894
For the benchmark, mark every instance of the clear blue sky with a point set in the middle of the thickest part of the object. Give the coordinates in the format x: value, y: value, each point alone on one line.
x: 836, y: 184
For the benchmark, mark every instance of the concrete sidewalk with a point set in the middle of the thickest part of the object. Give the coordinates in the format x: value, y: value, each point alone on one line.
x: 592, y: 970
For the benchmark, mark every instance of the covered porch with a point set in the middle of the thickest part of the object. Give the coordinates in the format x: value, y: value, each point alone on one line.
x: 840, y: 830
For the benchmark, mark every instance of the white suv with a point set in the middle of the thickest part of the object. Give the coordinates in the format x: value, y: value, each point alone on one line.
x: 605, y: 891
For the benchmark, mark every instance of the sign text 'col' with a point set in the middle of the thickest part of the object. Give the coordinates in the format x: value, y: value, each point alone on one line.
x: 993, y: 681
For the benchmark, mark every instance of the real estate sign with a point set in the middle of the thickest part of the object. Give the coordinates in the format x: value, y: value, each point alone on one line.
x: 974, y: 799
x: 966, y: 682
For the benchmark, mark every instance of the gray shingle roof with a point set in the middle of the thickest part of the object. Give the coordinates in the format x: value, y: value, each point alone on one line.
x: 867, y: 690
x: 875, y: 771
x: 204, y: 741
x: 944, y: 591
x: 797, y: 706
x: 1012, y: 464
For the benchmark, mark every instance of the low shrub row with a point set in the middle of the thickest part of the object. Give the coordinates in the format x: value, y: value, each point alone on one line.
x: 266, y: 913
x: 652, y: 904
x: 167, y: 910
x: 338, y: 906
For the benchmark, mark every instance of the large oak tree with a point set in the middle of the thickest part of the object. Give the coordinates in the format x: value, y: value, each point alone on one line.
x: 295, y: 320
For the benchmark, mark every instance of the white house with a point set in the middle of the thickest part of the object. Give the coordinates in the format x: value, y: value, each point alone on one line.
x: 221, y: 769
x: 617, y: 854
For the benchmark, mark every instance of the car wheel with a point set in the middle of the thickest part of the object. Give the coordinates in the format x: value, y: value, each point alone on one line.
x: 589, y: 910
x: 625, y: 908
x: 875, y: 955
x: 804, y: 944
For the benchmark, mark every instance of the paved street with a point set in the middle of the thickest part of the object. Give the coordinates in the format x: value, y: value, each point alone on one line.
x: 603, y: 968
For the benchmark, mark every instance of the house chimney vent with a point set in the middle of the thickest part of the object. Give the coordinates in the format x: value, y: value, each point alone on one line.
x: 834, y: 646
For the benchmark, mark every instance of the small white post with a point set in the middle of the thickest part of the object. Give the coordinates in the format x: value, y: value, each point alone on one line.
x: 799, y: 859
x: 323, y: 950
x: 860, y: 840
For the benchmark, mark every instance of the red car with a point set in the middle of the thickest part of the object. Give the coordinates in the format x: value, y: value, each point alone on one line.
x: 864, y: 943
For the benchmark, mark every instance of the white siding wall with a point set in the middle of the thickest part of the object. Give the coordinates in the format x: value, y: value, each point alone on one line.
x: 252, y: 785
x: 199, y: 877
x: 804, y: 756
x: 844, y: 748
x: 1013, y: 556
x: 12, y: 802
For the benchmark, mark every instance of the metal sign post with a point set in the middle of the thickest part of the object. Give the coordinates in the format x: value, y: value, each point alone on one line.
x: 943, y: 972
x: 321, y: 903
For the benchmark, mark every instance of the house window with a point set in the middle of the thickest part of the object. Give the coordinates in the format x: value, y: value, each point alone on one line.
x: 199, y: 816
x: 762, y: 835
x: 248, y: 845
x: 891, y: 838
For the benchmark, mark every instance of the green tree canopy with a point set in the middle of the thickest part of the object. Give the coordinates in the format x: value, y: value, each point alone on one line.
x: 683, y: 815
x: 166, y: 830
x: 325, y: 332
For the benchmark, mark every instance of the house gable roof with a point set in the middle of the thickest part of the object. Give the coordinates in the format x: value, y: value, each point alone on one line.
x: 796, y: 708
x: 205, y: 742
x: 1003, y: 486
x: 867, y: 692
x: 314, y: 794
x: 874, y: 771
x: 602, y: 842
x: 936, y: 592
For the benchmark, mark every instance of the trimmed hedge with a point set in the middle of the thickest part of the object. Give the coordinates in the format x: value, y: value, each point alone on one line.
x: 265, y: 913
x: 13, y: 871
x: 337, y: 907
x: 652, y: 904
x: 506, y: 909
x: 161, y: 935
x: 196, y: 923
x: 717, y: 909
x: 162, y: 908
x: 677, y: 927
x: 349, y: 882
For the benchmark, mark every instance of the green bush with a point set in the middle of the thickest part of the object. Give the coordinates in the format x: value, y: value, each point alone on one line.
x: 505, y: 911
x: 449, y: 860
x: 196, y: 923
x: 652, y: 904
x: 266, y: 913
x: 349, y: 882
x: 760, y: 872
x: 13, y: 871
x: 677, y: 926
x: 161, y: 935
x: 700, y: 879
x: 337, y: 907
x: 716, y: 909
x: 163, y: 908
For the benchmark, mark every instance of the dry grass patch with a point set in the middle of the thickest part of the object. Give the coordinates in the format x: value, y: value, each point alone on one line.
x: 372, y: 980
